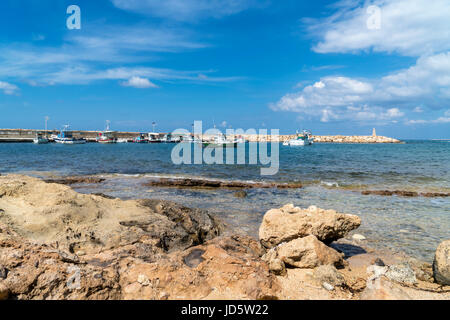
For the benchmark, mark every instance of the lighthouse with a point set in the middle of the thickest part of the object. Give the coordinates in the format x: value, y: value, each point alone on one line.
x: 374, y: 133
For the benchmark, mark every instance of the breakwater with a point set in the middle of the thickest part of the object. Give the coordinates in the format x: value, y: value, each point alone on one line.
x: 27, y: 135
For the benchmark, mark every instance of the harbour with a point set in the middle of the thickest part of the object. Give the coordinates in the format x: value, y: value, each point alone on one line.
x: 28, y: 135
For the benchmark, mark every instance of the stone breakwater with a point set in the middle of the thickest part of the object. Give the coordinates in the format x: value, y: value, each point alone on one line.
x: 27, y: 135
x: 320, y: 139
x: 58, y: 244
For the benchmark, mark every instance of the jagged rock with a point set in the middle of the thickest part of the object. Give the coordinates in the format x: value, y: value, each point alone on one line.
x: 56, y: 214
x: 423, y: 270
x: 231, y: 269
x: 276, y: 265
x: 308, y: 252
x: 289, y: 223
x: 402, y: 273
x: 441, y: 263
x: 328, y: 274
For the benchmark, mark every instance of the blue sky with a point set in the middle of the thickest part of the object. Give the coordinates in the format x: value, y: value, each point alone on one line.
x: 334, y: 67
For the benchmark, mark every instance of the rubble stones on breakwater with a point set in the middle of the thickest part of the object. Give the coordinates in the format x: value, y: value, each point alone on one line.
x: 354, y: 139
x: 214, y: 184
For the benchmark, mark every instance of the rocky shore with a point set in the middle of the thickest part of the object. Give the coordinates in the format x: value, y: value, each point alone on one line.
x: 58, y: 244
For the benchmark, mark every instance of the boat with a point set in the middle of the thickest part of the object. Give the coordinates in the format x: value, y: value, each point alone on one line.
x: 221, y: 141
x: 170, y: 138
x: 40, y: 139
x: 304, y: 139
x: 66, y: 137
x: 141, y: 139
x: 153, y: 137
x: 122, y: 140
x: 107, y: 136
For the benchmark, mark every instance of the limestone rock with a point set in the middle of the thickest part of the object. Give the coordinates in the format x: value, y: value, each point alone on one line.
x: 276, y: 265
x: 55, y: 214
x: 358, y: 237
x: 328, y: 274
x: 402, y: 273
x: 441, y: 263
x: 289, y: 223
x: 308, y: 252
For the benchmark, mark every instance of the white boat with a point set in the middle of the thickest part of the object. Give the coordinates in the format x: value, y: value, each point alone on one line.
x: 107, y: 136
x: 221, y: 141
x: 153, y: 137
x: 66, y: 137
x: 39, y: 139
x: 122, y: 140
x: 304, y: 139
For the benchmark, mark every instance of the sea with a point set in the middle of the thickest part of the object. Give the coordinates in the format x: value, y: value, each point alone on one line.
x: 333, y: 176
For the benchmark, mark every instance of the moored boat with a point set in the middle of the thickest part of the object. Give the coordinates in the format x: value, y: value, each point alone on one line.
x: 304, y: 139
x: 40, y: 139
x: 107, y: 136
x: 66, y: 137
x: 221, y: 141
x: 141, y: 139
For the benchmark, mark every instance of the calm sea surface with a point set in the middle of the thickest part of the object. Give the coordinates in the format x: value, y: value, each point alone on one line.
x: 333, y: 176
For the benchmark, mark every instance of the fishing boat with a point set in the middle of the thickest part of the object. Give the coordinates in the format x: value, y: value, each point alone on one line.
x: 107, y: 136
x: 304, y: 139
x: 170, y: 138
x: 122, y: 140
x: 143, y: 138
x: 221, y: 141
x: 153, y: 137
x: 66, y: 137
x: 40, y: 139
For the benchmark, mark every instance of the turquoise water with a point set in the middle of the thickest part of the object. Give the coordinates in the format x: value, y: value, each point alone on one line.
x: 333, y: 176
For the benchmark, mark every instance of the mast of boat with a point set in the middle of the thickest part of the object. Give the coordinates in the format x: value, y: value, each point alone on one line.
x: 153, y: 126
x: 46, y: 120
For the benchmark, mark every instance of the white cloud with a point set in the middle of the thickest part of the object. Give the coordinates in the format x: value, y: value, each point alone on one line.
x: 331, y: 98
x: 439, y: 120
x: 418, y: 28
x: 8, y: 88
x: 140, y: 83
x: 185, y: 10
x: 408, y: 27
x: 101, y: 54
